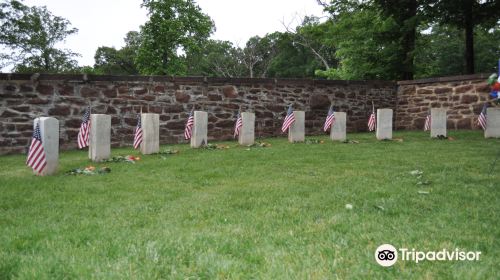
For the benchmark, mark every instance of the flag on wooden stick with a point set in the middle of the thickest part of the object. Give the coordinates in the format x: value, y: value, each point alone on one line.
x: 36, y: 154
x: 83, y: 133
x: 138, y: 133
x: 189, y: 126
x: 372, y: 119
x: 289, y: 119
x: 481, y: 120
x: 238, y: 125
x: 427, y: 124
x: 330, y: 119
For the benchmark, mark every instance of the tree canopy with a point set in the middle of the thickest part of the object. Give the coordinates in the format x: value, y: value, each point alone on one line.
x: 467, y: 15
x: 29, y: 36
x: 174, y: 28
x: 110, y: 61
x: 358, y: 39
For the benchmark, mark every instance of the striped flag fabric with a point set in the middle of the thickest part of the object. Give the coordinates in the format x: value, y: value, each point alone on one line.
x: 189, y: 126
x: 238, y: 125
x: 330, y: 119
x: 83, y: 133
x: 138, y: 133
x: 481, y: 120
x: 371, y: 121
x: 427, y: 124
x: 289, y: 119
x: 36, y: 154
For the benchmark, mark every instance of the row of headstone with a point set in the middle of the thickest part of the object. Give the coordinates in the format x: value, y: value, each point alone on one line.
x: 100, y: 132
x: 437, y: 124
x: 384, y: 123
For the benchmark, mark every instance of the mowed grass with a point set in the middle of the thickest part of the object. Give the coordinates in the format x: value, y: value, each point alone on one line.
x: 264, y: 213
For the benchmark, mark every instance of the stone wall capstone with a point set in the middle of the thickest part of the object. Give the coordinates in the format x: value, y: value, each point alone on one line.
x: 65, y: 97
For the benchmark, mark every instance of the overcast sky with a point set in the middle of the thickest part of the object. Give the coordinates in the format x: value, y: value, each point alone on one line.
x: 105, y: 22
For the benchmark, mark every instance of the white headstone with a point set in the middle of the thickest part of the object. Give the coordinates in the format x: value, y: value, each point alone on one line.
x: 384, y: 124
x: 49, y: 131
x: 247, y: 133
x: 438, y: 122
x: 100, y: 137
x: 492, y: 123
x: 150, y: 133
x: 338, y: 130
x: 199, y: 136
x: 296, y: 132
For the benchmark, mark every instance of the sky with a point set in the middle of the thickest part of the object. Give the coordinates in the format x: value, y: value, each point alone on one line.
x: 105, y: 22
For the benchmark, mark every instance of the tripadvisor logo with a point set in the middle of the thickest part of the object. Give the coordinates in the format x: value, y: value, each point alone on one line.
x: 387, y: 255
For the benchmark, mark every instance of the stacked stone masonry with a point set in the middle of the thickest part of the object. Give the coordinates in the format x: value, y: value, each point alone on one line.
x: 463, y: 98
x: 24, y: 97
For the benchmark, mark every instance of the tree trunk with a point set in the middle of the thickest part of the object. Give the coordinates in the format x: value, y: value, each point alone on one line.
x: 469, y: 41
x: 164, y: 64
x: 46, y: 61
x: 409, y: 54
x: 408, y: 42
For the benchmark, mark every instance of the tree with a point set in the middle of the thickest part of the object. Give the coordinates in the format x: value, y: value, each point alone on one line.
x: 466, y: 15
x: 30, y: 35
x: 405, y: 17
x: 404, y: 13
x: 174, y: 28
x: 215, y: 59
x: 111, y: 61
x: 274, y: 55
x: 366, y: 46
x: 292, y: 60
x: 440, y: 51
x: 487, y: 49
x: 313, y: 35
x: 402, y: 26
x: 10, y: 13
x: 258, y: 54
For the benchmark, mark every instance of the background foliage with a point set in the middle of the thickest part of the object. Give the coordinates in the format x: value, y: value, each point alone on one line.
x: 372, y: 39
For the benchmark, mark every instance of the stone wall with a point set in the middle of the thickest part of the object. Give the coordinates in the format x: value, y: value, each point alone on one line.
x: 462, y: 96
x: 24, y: 96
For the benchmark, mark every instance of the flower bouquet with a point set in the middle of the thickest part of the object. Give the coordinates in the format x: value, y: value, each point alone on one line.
x: 129, y: 159
x: 89, y: 170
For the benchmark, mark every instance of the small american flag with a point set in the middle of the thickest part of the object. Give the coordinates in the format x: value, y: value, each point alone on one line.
x: 83, y: 134
x: 36, y: 154
x: 138, y: 133
x: 481, y: 120
x: 189, y: 126
x: 330, y: 119
x: 427, y: 125
x: 371, y: 121
x: 238, y: 125
x: 289, y: 119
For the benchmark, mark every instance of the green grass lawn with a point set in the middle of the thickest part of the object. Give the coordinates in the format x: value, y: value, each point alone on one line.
x: 265, y: 213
